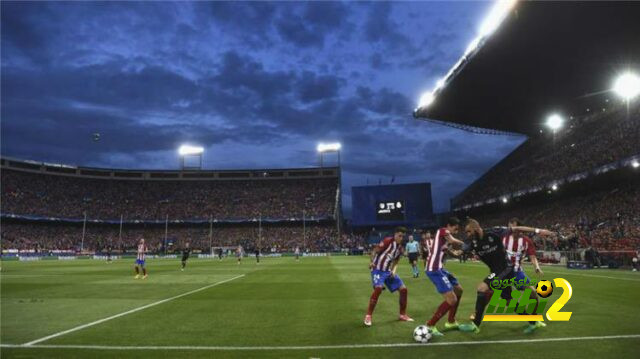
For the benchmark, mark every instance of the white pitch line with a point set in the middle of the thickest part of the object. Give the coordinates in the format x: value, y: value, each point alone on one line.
x: 316, y: 347
x: 80, y: 327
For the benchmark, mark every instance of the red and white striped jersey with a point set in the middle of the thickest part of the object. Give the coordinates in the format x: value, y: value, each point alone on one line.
x: 142, y: 249
x: 426, y: 245
x: 517, y: 247
x: 436, y: 250
x: 389, y: 251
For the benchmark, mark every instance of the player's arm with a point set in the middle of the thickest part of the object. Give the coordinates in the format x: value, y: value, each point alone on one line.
x: 375, y: 251
x: 455, y: 252
x: 540, y: 231
x: 531, y: 252
x: 452, y: 240
x: 536, y: 265
x: 394, y: 267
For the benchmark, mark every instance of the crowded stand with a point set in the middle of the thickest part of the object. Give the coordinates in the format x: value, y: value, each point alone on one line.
x: 584, y: 144
x: 44, y: 237
x: 599, y: 226
x: 46, y: 212
x: 26, y: 193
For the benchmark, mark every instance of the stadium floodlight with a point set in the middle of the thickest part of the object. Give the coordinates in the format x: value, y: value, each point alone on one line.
x: 329, y: 147
x: 635, y: 164
x: 188, y: 150
x: 426, y: 99
x: 472, y: 46
x: 188, y: 154
x: 627, y: 86
x: 554, y: 122
x: 554, y: 187
x: 504, y: 200
x: 496, y: 16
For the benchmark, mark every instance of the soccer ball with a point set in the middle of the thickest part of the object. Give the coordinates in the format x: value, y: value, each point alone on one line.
x: 421, y: 334
x: 544, y: 288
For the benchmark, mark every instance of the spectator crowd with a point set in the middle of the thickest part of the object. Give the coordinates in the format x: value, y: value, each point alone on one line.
x: 604, y: 221
x: 26, y: 193
x: 582, y: 145
x: 44, y: 237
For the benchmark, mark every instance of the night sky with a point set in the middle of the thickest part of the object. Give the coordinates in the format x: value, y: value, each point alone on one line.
x: 257, y: 84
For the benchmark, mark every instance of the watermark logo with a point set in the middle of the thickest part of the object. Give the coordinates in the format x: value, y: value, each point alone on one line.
x: 523, y: 306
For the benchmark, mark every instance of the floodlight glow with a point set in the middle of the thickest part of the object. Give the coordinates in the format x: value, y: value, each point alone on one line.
x: 496, y: 16
x: 554, y: 121
x: 554, y: 187
x: 329, y: 147
x: 472, y: 46
x: 188, y: 150
x: 627, y: 86
x: 504, y: 200
x: 426, y: 99
x: 635, y: 164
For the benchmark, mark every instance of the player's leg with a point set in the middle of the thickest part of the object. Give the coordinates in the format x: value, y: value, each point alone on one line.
x: 137, y: 270
x: 457, y: 290
x: 444, y: 287
x: 482, y: 297
x: 394, y: 283
x: 144, y: 270
x: 481, y: 302
x: 522, y: 283
x: 377, y: 279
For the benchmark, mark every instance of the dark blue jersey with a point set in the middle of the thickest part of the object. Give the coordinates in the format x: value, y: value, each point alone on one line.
x: 489, y: 249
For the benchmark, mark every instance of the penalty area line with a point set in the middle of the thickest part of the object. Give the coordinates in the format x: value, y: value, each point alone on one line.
x: 80, y: 327
x: 316, y: 347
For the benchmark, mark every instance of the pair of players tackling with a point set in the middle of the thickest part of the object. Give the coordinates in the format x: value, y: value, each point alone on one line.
x: 501, y: 249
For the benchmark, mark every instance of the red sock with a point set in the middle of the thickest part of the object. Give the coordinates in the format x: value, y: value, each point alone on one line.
x: 403, y: 301
x: 374, y: 299
x: 442, y: 309
x: 454, y: 309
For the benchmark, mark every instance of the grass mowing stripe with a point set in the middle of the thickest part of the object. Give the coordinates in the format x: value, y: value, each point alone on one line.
x: 597, y: 276
x: 311, y: 347
x: 579, y: 274
x: 80, y: 327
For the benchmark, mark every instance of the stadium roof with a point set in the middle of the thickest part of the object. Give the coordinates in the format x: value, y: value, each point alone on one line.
x: 545, y: 57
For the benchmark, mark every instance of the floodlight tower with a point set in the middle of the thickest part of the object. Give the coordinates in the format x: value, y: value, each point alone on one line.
x: 334, y: 148
x: 188, y: 151
x: 328, y: 148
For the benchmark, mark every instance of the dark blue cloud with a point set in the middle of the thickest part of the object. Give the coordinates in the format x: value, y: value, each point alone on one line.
x: 257, y: 83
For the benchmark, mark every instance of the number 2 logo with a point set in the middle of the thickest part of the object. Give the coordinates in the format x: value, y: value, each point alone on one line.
x: 554, y: 313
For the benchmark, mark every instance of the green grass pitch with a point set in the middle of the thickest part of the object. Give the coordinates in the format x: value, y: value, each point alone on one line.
x: 313, y: 303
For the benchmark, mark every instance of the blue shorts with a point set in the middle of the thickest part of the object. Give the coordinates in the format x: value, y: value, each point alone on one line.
x: 140, y: 262
x: 380, y: 278
x: 521, y: 277
x: 443, y: 280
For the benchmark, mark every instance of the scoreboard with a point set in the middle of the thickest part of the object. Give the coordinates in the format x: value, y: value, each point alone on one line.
x: 390, y: 211
x: 401, y: 204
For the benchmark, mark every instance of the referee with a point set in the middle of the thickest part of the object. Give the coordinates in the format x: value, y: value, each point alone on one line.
x: 412, y: 252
